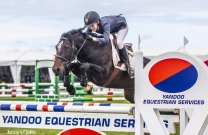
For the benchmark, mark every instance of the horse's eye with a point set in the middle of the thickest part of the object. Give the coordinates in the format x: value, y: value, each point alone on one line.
x: 66, y: 48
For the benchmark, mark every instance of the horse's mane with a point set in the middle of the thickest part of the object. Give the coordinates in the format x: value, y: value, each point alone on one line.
x: 74, y: 31
x: 70, y: 34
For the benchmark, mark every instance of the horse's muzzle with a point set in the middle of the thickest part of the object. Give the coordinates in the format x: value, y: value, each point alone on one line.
x: 56, y: 71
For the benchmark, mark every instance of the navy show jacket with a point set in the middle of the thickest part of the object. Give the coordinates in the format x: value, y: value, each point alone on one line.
x: 109, y: 24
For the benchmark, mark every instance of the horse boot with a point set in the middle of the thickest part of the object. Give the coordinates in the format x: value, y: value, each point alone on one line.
x: 69, y: 88
x: 125, y: 58
x: 84, y: 80
x: 87, y: 87
x: 66, y: 76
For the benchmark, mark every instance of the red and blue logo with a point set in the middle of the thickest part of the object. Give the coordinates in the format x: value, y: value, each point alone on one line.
x: 81, y: 131
x: 206, y: 62
x: 173, y: 75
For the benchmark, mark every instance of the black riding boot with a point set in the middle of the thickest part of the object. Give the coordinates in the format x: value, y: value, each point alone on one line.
x: 124, y: 55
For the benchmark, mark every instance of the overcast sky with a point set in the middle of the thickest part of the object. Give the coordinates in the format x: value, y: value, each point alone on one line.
x: 38, y: 24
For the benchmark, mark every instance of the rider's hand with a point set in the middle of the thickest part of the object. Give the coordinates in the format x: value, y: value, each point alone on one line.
x: 95, y: 34
x: 88, y: 37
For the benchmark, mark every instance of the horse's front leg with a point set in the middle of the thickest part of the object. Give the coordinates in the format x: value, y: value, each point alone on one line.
x: 67, y: 83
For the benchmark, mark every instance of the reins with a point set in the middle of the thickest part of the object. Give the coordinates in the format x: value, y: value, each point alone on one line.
x: 79, y: 50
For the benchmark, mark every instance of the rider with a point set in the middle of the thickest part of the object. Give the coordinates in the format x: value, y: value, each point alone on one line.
x: 105, y: 26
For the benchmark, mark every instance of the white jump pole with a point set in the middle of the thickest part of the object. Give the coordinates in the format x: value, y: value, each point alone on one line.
x: 183, y: 114
x: 139, y: 67
x: 61, y: 108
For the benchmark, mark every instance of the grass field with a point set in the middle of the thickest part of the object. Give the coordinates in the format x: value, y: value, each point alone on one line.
x: 6, y: 131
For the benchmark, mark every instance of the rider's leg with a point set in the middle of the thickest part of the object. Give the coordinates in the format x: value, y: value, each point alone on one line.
x: 124, y: 54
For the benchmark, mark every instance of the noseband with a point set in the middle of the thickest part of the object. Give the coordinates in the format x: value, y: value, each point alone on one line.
x: 73, y: 50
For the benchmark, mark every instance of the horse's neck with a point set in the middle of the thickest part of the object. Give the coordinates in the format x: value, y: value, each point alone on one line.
x: 84, y: 50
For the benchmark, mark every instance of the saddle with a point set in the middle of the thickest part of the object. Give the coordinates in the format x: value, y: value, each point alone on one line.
x: 117, y: 59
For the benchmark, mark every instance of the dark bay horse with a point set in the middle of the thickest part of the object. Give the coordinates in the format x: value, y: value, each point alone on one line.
x: 93, y: 62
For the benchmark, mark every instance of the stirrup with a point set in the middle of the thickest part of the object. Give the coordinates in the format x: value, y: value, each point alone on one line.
x: 131, y: 72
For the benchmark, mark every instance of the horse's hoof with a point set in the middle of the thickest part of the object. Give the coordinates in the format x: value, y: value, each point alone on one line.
x: 71, y: 90
x: 88, y: 89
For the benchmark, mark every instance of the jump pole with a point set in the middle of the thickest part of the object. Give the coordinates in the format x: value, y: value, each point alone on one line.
x: 62, y: 108
x: 65, y: 103
x: 138, y: 69
x: 107, y: 93
x: 91, y: 99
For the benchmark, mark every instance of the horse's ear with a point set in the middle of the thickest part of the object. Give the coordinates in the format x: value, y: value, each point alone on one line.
x: 63, y: 34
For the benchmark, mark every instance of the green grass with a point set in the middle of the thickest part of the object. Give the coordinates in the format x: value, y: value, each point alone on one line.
x: 4, y: 131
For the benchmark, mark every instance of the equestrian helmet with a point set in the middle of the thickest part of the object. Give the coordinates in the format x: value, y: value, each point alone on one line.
x: 90, y: 18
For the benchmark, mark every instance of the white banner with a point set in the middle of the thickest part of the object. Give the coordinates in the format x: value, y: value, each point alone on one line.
x: 60, y: 120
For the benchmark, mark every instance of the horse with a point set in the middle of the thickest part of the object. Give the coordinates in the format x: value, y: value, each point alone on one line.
x: 90, y: 61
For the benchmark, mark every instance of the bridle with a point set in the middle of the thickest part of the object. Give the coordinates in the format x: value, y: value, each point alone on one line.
x: 73, y: 50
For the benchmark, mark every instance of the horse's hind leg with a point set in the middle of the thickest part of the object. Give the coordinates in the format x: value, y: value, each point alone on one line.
x: 84, y: 79
x: 84, y: 68
x: 92, y: 69
x: 129, y: 95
